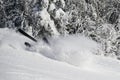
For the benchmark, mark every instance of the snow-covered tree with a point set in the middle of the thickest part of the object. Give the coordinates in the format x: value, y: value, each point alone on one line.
x: 97, y: 19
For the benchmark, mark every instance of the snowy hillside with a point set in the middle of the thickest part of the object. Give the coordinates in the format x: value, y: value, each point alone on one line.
x: 19, y: 63
x: 96, y: 19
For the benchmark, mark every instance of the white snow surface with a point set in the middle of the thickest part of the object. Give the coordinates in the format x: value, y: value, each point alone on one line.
x: 74, y: 60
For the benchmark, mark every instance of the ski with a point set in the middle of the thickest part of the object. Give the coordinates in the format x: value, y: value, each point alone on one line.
x: 30, y: 37
x: 27, y: 35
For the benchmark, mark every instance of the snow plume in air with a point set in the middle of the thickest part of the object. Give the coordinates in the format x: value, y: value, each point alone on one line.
x: 75, y: 49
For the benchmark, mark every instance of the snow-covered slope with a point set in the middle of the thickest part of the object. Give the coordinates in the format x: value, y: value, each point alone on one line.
x: 16, y: 63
